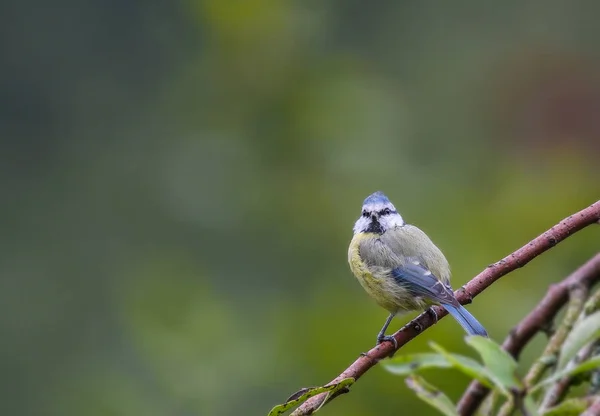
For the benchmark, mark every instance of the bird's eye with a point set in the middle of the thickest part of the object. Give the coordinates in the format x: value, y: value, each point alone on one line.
x: 385, y: 211
x: 365, y: 214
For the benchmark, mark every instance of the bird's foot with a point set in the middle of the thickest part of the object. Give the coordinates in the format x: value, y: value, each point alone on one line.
x: 433, y: 314
x: 390, y: 338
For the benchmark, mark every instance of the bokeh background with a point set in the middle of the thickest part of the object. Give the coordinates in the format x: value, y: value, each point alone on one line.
x: 180, y: 180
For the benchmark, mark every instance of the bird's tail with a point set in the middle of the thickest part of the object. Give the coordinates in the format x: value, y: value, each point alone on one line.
x: 465, y: 319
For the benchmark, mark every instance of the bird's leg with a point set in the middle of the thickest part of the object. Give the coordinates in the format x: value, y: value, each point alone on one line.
x: 381, y: 337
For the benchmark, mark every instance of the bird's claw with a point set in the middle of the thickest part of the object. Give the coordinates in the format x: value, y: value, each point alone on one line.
x: 388, y: 338
x: 433, y: 314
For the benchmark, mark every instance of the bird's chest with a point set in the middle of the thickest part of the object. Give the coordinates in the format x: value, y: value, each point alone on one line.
x: 379, y: 284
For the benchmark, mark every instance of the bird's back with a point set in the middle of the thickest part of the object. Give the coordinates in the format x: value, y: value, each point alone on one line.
x: 409, y: 242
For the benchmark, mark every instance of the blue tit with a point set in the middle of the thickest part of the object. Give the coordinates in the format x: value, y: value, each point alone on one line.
x: 400, y: 267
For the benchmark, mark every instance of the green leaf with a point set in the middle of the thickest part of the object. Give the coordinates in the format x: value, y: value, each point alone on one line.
x: 303, y: 394
x: 404, y: 365
x: 431, y: 395
x: 591, y: 364
x: 584, y: 331
x: 467, y: 365
x: 571, y: 407
x: 489, y: 404
x: 498, y: 362
x: 530, y: 406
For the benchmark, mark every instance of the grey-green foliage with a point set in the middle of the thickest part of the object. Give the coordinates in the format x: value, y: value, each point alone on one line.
x: 497, y: 370
x: 431, y: 395
x: 584, y: 332
x: 570, y: 407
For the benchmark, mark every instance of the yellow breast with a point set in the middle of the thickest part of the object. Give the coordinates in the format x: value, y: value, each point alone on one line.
x: 377, y: 284
x: 358, y: 267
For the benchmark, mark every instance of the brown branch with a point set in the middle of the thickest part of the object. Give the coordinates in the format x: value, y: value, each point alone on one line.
x: 538, y: 320
x: 549, y: 357
x: 478, y: 284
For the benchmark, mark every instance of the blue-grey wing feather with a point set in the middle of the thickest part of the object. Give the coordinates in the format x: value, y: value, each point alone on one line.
x: 421, y: 282
x: 409, y: 242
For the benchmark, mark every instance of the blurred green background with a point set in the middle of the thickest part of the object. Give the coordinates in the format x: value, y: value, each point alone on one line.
x: 181, y: 179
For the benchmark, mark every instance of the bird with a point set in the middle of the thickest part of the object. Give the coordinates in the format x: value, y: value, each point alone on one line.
x: 399, y: 266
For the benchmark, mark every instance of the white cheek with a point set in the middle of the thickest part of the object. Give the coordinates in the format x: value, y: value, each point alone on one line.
x: 361, y: 224
x: 392, y: 221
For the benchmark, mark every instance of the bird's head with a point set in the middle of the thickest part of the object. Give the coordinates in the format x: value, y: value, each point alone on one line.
x: 378, y: 215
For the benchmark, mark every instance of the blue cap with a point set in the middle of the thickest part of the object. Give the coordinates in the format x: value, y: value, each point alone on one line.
x: 376, y: 198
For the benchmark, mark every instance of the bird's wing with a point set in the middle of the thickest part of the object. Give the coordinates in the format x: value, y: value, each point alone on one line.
x: 409, y: 242
x: 421, y: 282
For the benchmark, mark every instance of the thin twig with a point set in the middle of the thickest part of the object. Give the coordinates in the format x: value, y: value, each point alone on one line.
x: 577, y: 296
x: 592, y: 304
x: 490, y: 402
x: 559, y: 389
x: 493, y: 272
x: 537, y: 320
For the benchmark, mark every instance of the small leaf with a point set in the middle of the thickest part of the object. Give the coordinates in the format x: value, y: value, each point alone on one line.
x: 299, y: 393
x: 497, y: 361
x: 584, y: 331
x: 404, y: 365
x: 570, y: 407
x: 467, y: 365
x: 303, y: 394
x: 591, y: 364
x: 431, y: 395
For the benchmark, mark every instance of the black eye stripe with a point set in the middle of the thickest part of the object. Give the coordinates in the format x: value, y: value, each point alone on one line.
x: 385, y: 211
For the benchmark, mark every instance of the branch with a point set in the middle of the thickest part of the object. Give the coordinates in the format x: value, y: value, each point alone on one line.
x: 478, y: 284
x: 538, y: 320
x: 549, y: 357
x: 558, y: 390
